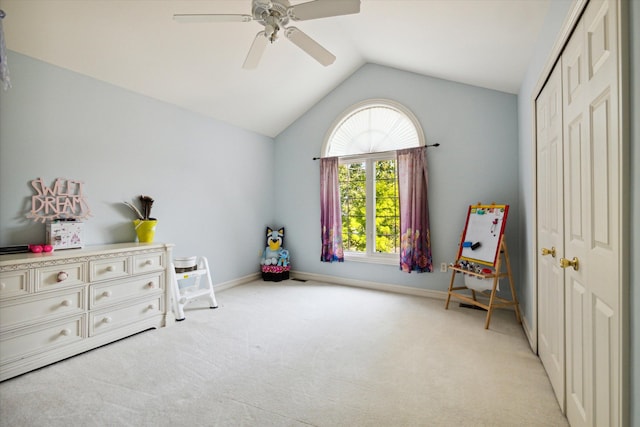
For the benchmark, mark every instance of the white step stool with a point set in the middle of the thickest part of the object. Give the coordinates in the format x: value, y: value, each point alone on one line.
x: 188, y: 286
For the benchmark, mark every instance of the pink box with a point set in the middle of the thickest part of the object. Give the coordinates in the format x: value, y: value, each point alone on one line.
x: 65, y: 234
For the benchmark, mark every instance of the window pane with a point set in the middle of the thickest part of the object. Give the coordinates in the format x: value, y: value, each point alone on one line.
x: 387, y: 207
x: 353, y: 198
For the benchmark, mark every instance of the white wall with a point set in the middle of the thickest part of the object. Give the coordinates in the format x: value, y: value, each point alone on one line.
x: 212, y: 183
x: 477, y: 161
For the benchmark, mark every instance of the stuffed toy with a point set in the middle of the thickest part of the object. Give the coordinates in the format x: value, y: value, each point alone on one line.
x: 274, y: 245
x: 275, y: 258
x: 283, y: 260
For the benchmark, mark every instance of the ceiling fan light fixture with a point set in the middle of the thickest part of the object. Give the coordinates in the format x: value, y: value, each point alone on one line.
x: 272, y: 24
x: 271, y: 32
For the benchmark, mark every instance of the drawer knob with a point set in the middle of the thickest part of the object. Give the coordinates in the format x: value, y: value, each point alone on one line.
x: 106, y: 294
x: 66, y: 303
x: 65, y: 332
x: 107, y: 319
x: 62, y: 276
x: 3, y: 285
x: 151, y: 307
x: 151, y: 285
x: 148, y: 262
x: 110, y: 268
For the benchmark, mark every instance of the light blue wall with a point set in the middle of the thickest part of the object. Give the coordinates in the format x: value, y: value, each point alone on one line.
x: 477, y: 161
x: 212, y: 183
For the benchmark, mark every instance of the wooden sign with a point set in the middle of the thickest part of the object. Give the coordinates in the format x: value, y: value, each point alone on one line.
x: 64, y: 200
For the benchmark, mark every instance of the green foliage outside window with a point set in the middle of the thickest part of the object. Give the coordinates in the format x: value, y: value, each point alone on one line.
x: 353, y: 199
x: 387, y: 207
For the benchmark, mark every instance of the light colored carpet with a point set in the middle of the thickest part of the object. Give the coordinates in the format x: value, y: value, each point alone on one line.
x: 299, y: 354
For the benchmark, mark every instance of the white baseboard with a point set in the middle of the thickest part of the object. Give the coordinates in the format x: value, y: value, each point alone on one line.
x: 370, y: 285
x: 529, y: 332
x: 236, y: 282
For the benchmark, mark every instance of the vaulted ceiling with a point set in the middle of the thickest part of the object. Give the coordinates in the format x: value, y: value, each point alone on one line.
x: 137, y: 45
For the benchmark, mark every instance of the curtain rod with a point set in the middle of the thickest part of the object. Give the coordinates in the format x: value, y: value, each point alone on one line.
x: 437, y: 144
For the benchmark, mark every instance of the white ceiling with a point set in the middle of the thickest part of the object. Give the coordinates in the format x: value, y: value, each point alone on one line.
x: 135, y: 44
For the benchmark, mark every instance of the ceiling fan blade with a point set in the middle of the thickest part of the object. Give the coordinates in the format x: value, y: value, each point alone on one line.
x: 199, y: 17
x: 323, y: 9
x: 310, y: 46
x: 255, y: 51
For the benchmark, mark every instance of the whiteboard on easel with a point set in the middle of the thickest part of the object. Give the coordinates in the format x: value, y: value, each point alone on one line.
x: 483, y: 232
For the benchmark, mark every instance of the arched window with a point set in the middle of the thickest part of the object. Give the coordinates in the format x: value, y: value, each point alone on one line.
x: 373, y: 126
x: 365, y: 139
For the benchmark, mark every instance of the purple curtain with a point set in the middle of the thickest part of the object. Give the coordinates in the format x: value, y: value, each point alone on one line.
x: 330, y: 211
x: 415, y: 239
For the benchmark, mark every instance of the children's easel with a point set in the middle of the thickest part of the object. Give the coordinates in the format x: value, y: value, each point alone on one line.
x: 483, y: 244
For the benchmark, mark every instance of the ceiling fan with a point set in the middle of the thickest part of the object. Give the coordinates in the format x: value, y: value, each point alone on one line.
x: 274, y: 15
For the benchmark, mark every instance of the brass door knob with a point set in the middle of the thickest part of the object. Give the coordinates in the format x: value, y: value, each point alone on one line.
x: 564, y: 263
x: 551, y: 251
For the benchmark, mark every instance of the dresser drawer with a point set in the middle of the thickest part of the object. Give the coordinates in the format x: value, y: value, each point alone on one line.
x: 36, y: 308
x: 146, y: 263
x: 28, y: 341
x: 107, y: 320
x: 58, y: 276
x: 106, y: 269
x: 120, y: 291
x: 14, y: 283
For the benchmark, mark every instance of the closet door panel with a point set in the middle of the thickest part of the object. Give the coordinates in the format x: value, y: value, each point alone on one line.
x: 550, y: 233
x: 592, y: 161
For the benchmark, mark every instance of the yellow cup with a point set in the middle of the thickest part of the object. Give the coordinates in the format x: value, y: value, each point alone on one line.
x: 145, y: 229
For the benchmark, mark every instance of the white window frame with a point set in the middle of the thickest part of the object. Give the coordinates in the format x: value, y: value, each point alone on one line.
x: 370, y: 256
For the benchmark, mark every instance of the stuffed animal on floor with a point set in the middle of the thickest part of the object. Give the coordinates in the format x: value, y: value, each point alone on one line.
x: 275, y: 258
x: 271, y: 253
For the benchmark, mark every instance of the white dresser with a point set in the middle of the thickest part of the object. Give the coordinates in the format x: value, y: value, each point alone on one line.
x: 59, y: 304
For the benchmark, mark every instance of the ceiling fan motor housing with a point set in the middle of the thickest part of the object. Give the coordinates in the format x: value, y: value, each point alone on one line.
x: 274, y: 8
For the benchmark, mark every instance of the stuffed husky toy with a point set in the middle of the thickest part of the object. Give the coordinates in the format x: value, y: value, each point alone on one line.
x: 275, y: 258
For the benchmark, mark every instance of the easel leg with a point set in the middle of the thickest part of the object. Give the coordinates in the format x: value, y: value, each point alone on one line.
x: 493, y: 295
x: 515, y: 301
x: 453, y: 276
x: 514, y: 296
x: 496, y: 279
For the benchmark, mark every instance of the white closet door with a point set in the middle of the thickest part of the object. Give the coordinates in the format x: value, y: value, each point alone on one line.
x: 592, y: 200
x: 550, y: 233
